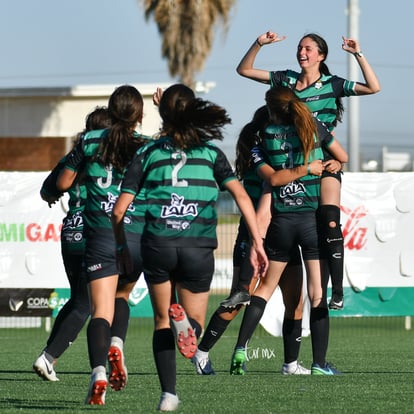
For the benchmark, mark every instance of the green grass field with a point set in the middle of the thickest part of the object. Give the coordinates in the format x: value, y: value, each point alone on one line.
x: 376, y: 356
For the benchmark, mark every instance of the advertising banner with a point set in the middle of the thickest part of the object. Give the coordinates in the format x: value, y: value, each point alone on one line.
x: 377, y: 218
x: 32, y: 277
x: 377, y: 222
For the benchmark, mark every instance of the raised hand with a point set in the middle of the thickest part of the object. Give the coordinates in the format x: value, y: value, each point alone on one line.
x: 269, y: 37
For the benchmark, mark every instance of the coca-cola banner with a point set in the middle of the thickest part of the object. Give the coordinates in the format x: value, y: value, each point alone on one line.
x: 377, y: 217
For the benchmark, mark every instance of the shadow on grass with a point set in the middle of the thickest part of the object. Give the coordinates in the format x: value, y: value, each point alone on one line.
x: 45, y: 405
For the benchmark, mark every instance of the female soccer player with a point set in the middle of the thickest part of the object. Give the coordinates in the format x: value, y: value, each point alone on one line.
x: 321, y: 92
x: 296, y: 165
x: 180, y: 175
x: 75, y: 312
x: 250, y: 137
x: 102, y: 157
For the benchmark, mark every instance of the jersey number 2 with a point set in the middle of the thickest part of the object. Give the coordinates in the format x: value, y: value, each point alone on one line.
x: 182, y: 157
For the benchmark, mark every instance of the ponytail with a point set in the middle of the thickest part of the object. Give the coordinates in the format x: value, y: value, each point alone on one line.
x: 120, y: 144
x: 285, y: 108
x: 188, y: 120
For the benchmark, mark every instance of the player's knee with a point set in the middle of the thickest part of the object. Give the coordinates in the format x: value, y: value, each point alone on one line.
x: 329, y: 220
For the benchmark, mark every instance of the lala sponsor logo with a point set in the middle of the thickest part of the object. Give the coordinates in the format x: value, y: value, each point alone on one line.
x: 74, y: 222
x: 178, y: 208
x: 354, y: 232
x: 291, y: 189
x: 108, y: 205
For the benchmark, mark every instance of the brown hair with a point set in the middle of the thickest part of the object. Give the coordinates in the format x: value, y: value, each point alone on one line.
x: 98, y: 119
x: 323, y: 68
x: 188, y: 120
x: 125, y: 110
x: 286, y: 109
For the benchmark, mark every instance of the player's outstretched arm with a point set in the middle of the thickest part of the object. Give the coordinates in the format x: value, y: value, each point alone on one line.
x: 246, y: 66
x: 372, y: 84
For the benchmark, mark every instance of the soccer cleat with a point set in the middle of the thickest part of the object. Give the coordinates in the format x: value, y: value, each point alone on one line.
x: 202, y: 363
x: 238, y: 362
x: 336, y: 302
x: 236, y: 298
x: 183, y: 331
x: 97, y: 389
x: 119, y: 374
x: 44, y: 368
x: 294, y: 368
x: 168, y: 402
x: 326, y: 370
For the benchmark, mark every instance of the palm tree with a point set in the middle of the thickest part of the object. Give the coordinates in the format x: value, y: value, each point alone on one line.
x: 187, y: 30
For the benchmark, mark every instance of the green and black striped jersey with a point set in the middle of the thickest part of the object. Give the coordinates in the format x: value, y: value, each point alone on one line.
x: 320, y: 97
x: 253, y: 185
x: 72, y: 229
x: 102, y: 184
x: 284, y: 149
x: 180, y: 189
x: 73, y: 224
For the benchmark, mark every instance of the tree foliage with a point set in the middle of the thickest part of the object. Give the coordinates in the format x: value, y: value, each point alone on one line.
x: 187, y: 29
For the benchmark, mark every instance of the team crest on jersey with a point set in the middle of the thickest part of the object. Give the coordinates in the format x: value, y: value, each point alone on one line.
x: 178, y: 208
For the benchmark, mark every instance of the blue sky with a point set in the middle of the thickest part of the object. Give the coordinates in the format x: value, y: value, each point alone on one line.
x: 78, y: 42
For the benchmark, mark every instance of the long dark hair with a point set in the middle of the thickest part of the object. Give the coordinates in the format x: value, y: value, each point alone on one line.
x: 125, y: 110
x: 323, y: 68
x: 285, y: 108
x: 249, y: 137
x: 97, y: 119
x: 188, y: 120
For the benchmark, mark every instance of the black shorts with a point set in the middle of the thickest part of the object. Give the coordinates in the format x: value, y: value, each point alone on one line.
x: 337, y: 175
x: 288, y: 230
x: 100, y: 258
x: 192, y: 267
x: 295, y: 256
